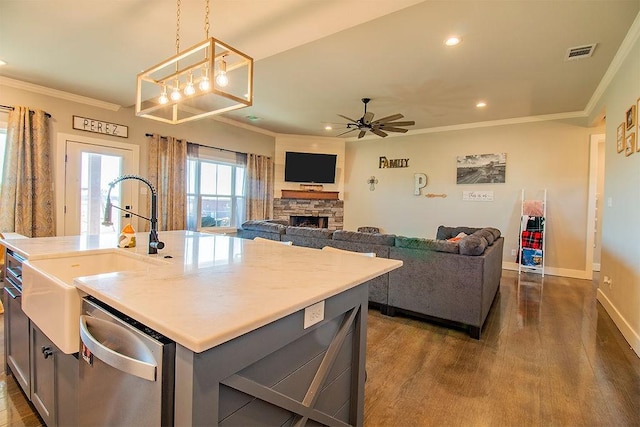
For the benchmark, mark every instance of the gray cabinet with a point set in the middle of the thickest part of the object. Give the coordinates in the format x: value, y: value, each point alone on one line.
x: 48, y: 377
x: 16, y: 324
x: 43, y: 380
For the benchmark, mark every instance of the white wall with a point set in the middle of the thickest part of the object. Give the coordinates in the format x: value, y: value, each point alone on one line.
x: 620, y: 254
x: 552, y: 155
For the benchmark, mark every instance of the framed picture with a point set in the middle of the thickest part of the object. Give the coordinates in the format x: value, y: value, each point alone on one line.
x: 631, y: 118
x: 630, y: 144
x: 481, y: 168
x: 620, y: 138
x: 637, y: 124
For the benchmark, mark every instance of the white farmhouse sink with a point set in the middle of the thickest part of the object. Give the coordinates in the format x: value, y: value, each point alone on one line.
x: 50, y: 298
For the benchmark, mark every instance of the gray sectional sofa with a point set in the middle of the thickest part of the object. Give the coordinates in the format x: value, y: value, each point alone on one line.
x: 449, y: 282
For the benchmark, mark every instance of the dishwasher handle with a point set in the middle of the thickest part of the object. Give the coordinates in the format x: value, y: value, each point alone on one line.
x: 133, y: 357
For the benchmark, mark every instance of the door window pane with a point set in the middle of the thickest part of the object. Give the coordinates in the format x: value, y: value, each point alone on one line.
x: 97, y: 171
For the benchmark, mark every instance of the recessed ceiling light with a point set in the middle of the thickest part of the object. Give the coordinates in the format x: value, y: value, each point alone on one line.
x: 253, y: 118
x: 453, y: 40
x: 2, y: 62
x: 481, y: 104
x: 327, y: 127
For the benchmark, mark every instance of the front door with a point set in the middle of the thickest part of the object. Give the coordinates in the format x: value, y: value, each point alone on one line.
x: 89, y: 167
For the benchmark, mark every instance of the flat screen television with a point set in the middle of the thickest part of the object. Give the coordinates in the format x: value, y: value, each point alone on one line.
x: 310, y: 167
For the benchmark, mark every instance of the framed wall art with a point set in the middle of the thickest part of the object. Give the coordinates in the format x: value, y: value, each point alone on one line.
x: 630, y: 144
x: 637, y: 124
x: 481, y: 168
x: 620, y: 138
x: 630, y: 118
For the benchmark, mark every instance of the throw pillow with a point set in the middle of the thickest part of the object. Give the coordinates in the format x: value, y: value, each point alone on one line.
x: 457, y: 238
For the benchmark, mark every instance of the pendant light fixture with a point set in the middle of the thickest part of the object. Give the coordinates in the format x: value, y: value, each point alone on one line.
x: 193, y: 92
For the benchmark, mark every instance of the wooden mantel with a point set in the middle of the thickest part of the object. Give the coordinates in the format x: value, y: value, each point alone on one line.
x: 315, y: 195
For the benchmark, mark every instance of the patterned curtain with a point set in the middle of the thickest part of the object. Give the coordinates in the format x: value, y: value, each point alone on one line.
x: 168, y: 173
x: 259, y: 187
x: 26, y: 195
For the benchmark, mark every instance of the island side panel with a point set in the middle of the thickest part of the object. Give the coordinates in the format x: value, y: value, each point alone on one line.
x: 281, y: 372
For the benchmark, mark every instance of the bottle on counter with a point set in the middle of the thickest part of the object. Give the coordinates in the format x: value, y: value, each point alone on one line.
x: 127, y: 237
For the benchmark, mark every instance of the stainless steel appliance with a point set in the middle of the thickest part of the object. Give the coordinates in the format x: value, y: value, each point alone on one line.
x: 126, y: 370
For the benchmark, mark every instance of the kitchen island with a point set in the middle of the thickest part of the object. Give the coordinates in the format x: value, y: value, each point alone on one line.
x: 265, y: 333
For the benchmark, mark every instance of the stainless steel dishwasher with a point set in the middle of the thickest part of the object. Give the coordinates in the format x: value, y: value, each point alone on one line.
x: 126, y: 370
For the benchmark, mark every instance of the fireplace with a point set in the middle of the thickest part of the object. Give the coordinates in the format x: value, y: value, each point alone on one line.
x: 309, y: 221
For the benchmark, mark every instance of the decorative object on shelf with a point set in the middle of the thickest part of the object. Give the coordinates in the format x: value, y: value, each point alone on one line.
x: 630, y: 117
x: 481, y: 169
x: 98, y: 126
x: 477, y: 196
x: 208, y: 78
x: 419, y: 181
x: 372, y: 181
x: 433, y: 195
x: 311, y: 187
x: 392, y: 163
x: 620, y: 138
x: 630, y: 144
x: 531, y: 248
x: 379, y: 127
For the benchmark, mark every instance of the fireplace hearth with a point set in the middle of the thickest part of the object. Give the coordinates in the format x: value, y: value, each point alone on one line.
x: 309, y: 221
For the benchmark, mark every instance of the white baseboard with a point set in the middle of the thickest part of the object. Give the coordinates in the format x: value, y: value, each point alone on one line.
x: 554, y: 271
x: 632, y: 337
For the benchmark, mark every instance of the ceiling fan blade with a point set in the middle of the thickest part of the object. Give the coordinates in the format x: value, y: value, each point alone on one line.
x: 379, y: 132
x: 345, y: 117
x: 407, y: 123
x: 395, y: 130
x: 344, y: 133
x: 366, y: 119
x: 362, y: 133
x: 390, y: 118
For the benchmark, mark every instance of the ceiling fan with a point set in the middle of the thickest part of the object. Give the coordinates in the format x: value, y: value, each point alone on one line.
x: 380, y: 127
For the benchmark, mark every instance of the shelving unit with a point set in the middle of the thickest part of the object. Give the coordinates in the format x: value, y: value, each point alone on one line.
x: 531, y: 251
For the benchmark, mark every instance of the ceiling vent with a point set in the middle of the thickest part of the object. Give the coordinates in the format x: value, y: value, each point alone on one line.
x: 580, y: 52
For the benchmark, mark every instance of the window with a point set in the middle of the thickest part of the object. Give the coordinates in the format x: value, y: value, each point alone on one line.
x: 215, y: 193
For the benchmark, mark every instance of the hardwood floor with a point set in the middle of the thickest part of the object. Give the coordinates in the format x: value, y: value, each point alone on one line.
x: 549, y: 356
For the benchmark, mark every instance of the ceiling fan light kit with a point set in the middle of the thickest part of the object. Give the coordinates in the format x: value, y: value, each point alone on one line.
x: 380, y: 127
x: 208, y: 78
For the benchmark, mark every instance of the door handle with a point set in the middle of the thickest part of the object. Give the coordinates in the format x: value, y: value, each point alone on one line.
x: 46, y: 350
x: 138, y: 360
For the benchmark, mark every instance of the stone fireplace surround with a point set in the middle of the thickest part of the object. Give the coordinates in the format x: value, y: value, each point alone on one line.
x: 332, y: 209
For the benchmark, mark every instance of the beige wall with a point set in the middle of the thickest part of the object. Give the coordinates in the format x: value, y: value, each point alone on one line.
x: 205, y: 132
x: 552, y: 155
x: 307, y: 144
x: 620, y: 256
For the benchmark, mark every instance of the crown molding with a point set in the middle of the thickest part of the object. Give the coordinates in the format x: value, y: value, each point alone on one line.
x: 19, y: 84
x: 623, y: 52
x: 486, y: 124
x: 243, y: 125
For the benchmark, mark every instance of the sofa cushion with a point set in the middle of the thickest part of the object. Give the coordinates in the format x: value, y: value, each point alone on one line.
x: 486, y: 234
x: 264, y: 226
x: 357, y: 237
x: 496, y: 233
x: 427, y: 244
x: 318, y: 233
x: 473, y: 245
x: 445, y: 233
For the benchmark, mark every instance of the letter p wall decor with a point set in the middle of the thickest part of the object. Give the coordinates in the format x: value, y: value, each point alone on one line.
x: 419, y: 181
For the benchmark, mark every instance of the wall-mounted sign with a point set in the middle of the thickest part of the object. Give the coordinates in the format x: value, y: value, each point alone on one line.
x: 98, y: 126
x: 393, y: 163
x: 478, y: 196
x: 419, y: 181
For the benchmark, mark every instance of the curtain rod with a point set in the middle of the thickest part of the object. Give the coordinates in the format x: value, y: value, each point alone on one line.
x: 201, y: 145
x: 8, y: 107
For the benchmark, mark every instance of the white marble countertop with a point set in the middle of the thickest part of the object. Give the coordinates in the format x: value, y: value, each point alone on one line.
x: 213, y: 288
